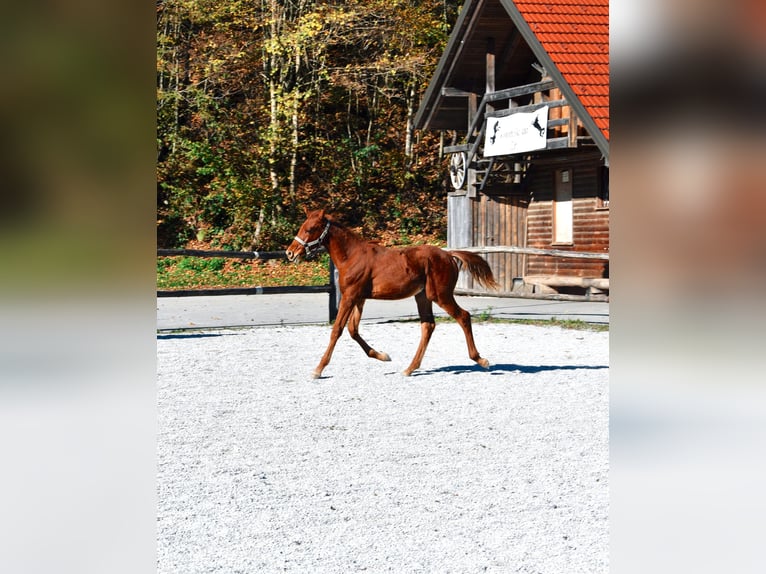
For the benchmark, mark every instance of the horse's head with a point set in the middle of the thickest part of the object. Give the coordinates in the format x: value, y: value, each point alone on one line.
x: 310, y: 236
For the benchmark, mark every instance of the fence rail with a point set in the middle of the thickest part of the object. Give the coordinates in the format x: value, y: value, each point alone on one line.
x: 229, y: 254
x: 331, y: 288
x: 535, y: 251
x: 550, y: 281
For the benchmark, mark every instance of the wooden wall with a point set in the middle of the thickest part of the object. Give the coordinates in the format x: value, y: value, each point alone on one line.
x: 488, y: 221
x: 501, y: 220
x: 527, y: 221
x: 591, y: 222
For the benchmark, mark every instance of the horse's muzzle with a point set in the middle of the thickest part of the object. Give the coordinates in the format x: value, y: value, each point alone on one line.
x: 294, y: 252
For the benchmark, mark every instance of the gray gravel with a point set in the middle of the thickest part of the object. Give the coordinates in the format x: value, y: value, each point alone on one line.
x: 455, y: 469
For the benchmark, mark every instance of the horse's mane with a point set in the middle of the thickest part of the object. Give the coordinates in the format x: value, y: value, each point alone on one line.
x: 335, y: 221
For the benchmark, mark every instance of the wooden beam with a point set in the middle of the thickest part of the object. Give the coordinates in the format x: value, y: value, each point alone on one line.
x: 529, y: 108
x: 472, y: 115
x: 558, y: 122
x: 490, y: 64
x: 455, y: 93
x: 520, y: 295
x: 572, y: 128
x: 475, y: 145
x: 558, y: 143
x: 524, y: 90
x: 567, y: 281
x: 536, y: 251
x: 456, y: 148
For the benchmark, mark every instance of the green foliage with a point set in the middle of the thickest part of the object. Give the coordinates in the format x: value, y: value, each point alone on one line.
x: 197, y: 273
x: 485, y: 315
x: 163, y: 263
x: 263, y: 108
x: 201, y: 264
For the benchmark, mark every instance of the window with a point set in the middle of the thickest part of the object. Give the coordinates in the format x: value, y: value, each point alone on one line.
x: 562, y: 207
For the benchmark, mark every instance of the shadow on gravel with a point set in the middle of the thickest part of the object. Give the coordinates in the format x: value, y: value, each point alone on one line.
x: 507, y: 368
x: 190, y: 335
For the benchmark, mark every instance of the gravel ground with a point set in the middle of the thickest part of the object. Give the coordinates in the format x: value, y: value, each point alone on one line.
x: 455, y: 469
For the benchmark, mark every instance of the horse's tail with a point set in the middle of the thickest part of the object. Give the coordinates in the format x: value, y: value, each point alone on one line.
x: 477, y: 267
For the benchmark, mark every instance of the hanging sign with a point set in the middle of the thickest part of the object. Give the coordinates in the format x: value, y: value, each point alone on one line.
x: 517, y: 133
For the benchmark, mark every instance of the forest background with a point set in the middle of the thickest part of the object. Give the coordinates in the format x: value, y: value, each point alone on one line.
x: 267, y: 106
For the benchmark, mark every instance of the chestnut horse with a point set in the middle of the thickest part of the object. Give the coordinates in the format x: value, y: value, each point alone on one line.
x: 369, y: 271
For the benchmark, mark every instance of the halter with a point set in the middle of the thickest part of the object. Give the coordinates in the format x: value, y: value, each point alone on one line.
x: 311, y: 246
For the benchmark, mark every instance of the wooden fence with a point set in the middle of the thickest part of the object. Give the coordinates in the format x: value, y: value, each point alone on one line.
x: 535, y: 251
x: 331, y: 288
x: 591, y: 284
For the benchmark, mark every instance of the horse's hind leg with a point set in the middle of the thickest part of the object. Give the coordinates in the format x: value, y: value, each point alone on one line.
x: 353, y: 330
x: 447, y: 302
x: 427, y: 325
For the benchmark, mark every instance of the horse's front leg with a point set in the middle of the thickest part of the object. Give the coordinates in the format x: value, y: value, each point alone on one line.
x: 344, y: 312
x: 353, y: 330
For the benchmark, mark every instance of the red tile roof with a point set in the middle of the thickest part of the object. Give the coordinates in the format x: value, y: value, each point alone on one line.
x: 575, y: 34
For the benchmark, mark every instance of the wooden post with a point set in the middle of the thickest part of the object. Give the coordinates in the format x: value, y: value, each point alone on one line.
x: 441, y: 145
x: 473, y: 105
x: 572, y: 128
x: 490, y: 86
x: 470, y: 179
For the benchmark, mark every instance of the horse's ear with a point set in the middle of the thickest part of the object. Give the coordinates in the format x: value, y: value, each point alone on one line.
x: 322, y: 214
x: 305, y: 211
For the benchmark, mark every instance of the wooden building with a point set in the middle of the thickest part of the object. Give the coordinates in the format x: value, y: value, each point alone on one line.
x: 521, y: 97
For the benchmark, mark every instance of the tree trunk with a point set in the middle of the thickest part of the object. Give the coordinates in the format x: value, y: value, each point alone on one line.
x: 408, y: 130
x: 373, y: 113
x: 295, y: 140
x: 274, y: 110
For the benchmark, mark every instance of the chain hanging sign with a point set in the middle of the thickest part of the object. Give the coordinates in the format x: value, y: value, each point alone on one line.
x: 516, y: 133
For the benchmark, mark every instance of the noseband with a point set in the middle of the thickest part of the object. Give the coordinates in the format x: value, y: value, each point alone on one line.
x: 311, y: 246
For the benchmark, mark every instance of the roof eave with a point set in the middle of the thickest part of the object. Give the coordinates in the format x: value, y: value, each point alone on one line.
x: 431, y: 98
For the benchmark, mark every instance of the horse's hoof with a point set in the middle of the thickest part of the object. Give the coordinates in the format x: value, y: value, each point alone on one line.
x: 384, y: 357
x: 406, y: 373
x: 316, y: 374
x: 484, y: 363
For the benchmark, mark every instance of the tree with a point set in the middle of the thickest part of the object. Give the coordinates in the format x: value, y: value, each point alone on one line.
x: 265, y: 106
